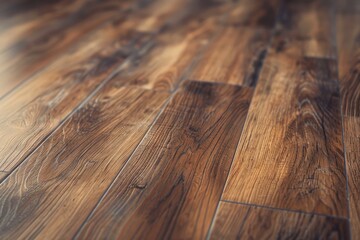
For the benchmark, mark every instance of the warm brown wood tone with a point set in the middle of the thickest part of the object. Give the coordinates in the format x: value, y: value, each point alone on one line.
x: 38, y: 106
x: 349, y: 61
x: 176, y: 51
x: 235, y: 221
x: 179, y: 119
x: 236, y: 55
x: 35, y: 52
x: 352, y: 147
x: 348, y: 41
x: 306, y: 28
x: 291, y: 154
x: 52, y: 193
x: 171, y: 186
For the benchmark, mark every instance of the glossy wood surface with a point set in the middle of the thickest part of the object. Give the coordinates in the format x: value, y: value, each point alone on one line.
x: 179, y: 119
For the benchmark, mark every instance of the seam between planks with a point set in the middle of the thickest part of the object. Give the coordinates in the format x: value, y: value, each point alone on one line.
x: 342, y: 119
x: 68, y: 49
x: 77, y: 108
x: 255, y: 77
x: 124, y: 166
x: 285, y: 210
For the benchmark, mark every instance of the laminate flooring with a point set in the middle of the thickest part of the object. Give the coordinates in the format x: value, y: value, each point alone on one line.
x: 180, y: 119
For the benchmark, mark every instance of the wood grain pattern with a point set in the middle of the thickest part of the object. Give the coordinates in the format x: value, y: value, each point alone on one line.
x: 236, y: 55
x: 352, y: 147
x: 52, y: 193
x: 29, y: 114
x: 235, y: 221
x: 306, y: 29
x: 291, y: 154
x: 348, y: 42
x: 171, y: 185
x: 176, y: 49
x: 37, y: 51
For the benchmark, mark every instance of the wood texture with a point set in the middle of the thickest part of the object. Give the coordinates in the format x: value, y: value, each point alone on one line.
x: 348, y: 42
x: 306, y: 29
x: 352, y: 147
x: 349, y: 61
x: 171, y: 185
x: 235, y: 221
x: 236, y: 54
x: 179, y: 119
x: 38, y: 106
x: 291, y: 154
x: 31, y: 54
x: 52, y: 193
x: 176, y: 50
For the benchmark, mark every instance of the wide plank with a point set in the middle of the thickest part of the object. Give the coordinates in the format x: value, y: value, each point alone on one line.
x: 30, y: 114
x: 51, y: 194
x: 236, y: 221
x: 176, y: 49
x: 235, y: 56
x: 291, y: 154
x: 352, y: 150
x: 31, y: 54
x: 171, y: 186
x: 307, y: 29
x: 348, y: 42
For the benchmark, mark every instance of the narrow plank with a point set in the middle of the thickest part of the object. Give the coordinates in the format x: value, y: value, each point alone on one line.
x: 236, y: 55
x: 291, y: 154
x: 171, y: 186
x: 307, y: 29
x: 20, y: 26
x: 33, y: 53
x: 32, y: 112
x: 176, y: 49
x: 348, y: 42
x: 52, y: 193
x: 352, y: 147
x: 349, y: 61
x: 236, y: 221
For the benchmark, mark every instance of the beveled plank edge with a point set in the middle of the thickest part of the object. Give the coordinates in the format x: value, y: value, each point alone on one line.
x: 162, y: 109
x: 68, y: 50
x: 346, y: 220
x: 81, y: 104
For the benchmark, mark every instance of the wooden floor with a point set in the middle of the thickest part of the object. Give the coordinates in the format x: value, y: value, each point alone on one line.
x: 180, y: 119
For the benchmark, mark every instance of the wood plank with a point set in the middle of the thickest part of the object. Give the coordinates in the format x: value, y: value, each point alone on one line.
x: 20, y: 26
x: 291, y: 154
x: 348, y: 41
x: 352, y: 147
x: 236, y: 55
x: 171, y: 186
x: 349, y: 61
x: 307, y: 29
x: 175, y: 50
x: 33, y: 111
x: 31, y: 54
x: 52, y: 193
x: 236, y: 221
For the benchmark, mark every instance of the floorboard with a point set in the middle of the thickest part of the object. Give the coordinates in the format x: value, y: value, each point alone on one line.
x: 171, y: 186
x: 291, y: 154
x: 349, y: 75
x: 176, y: 50
x: 236, y: 54
x: 236, y: 221
x: 51, y: 194
x: 37, y: 107
x: 31, y: 54
x: 179, y: 119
